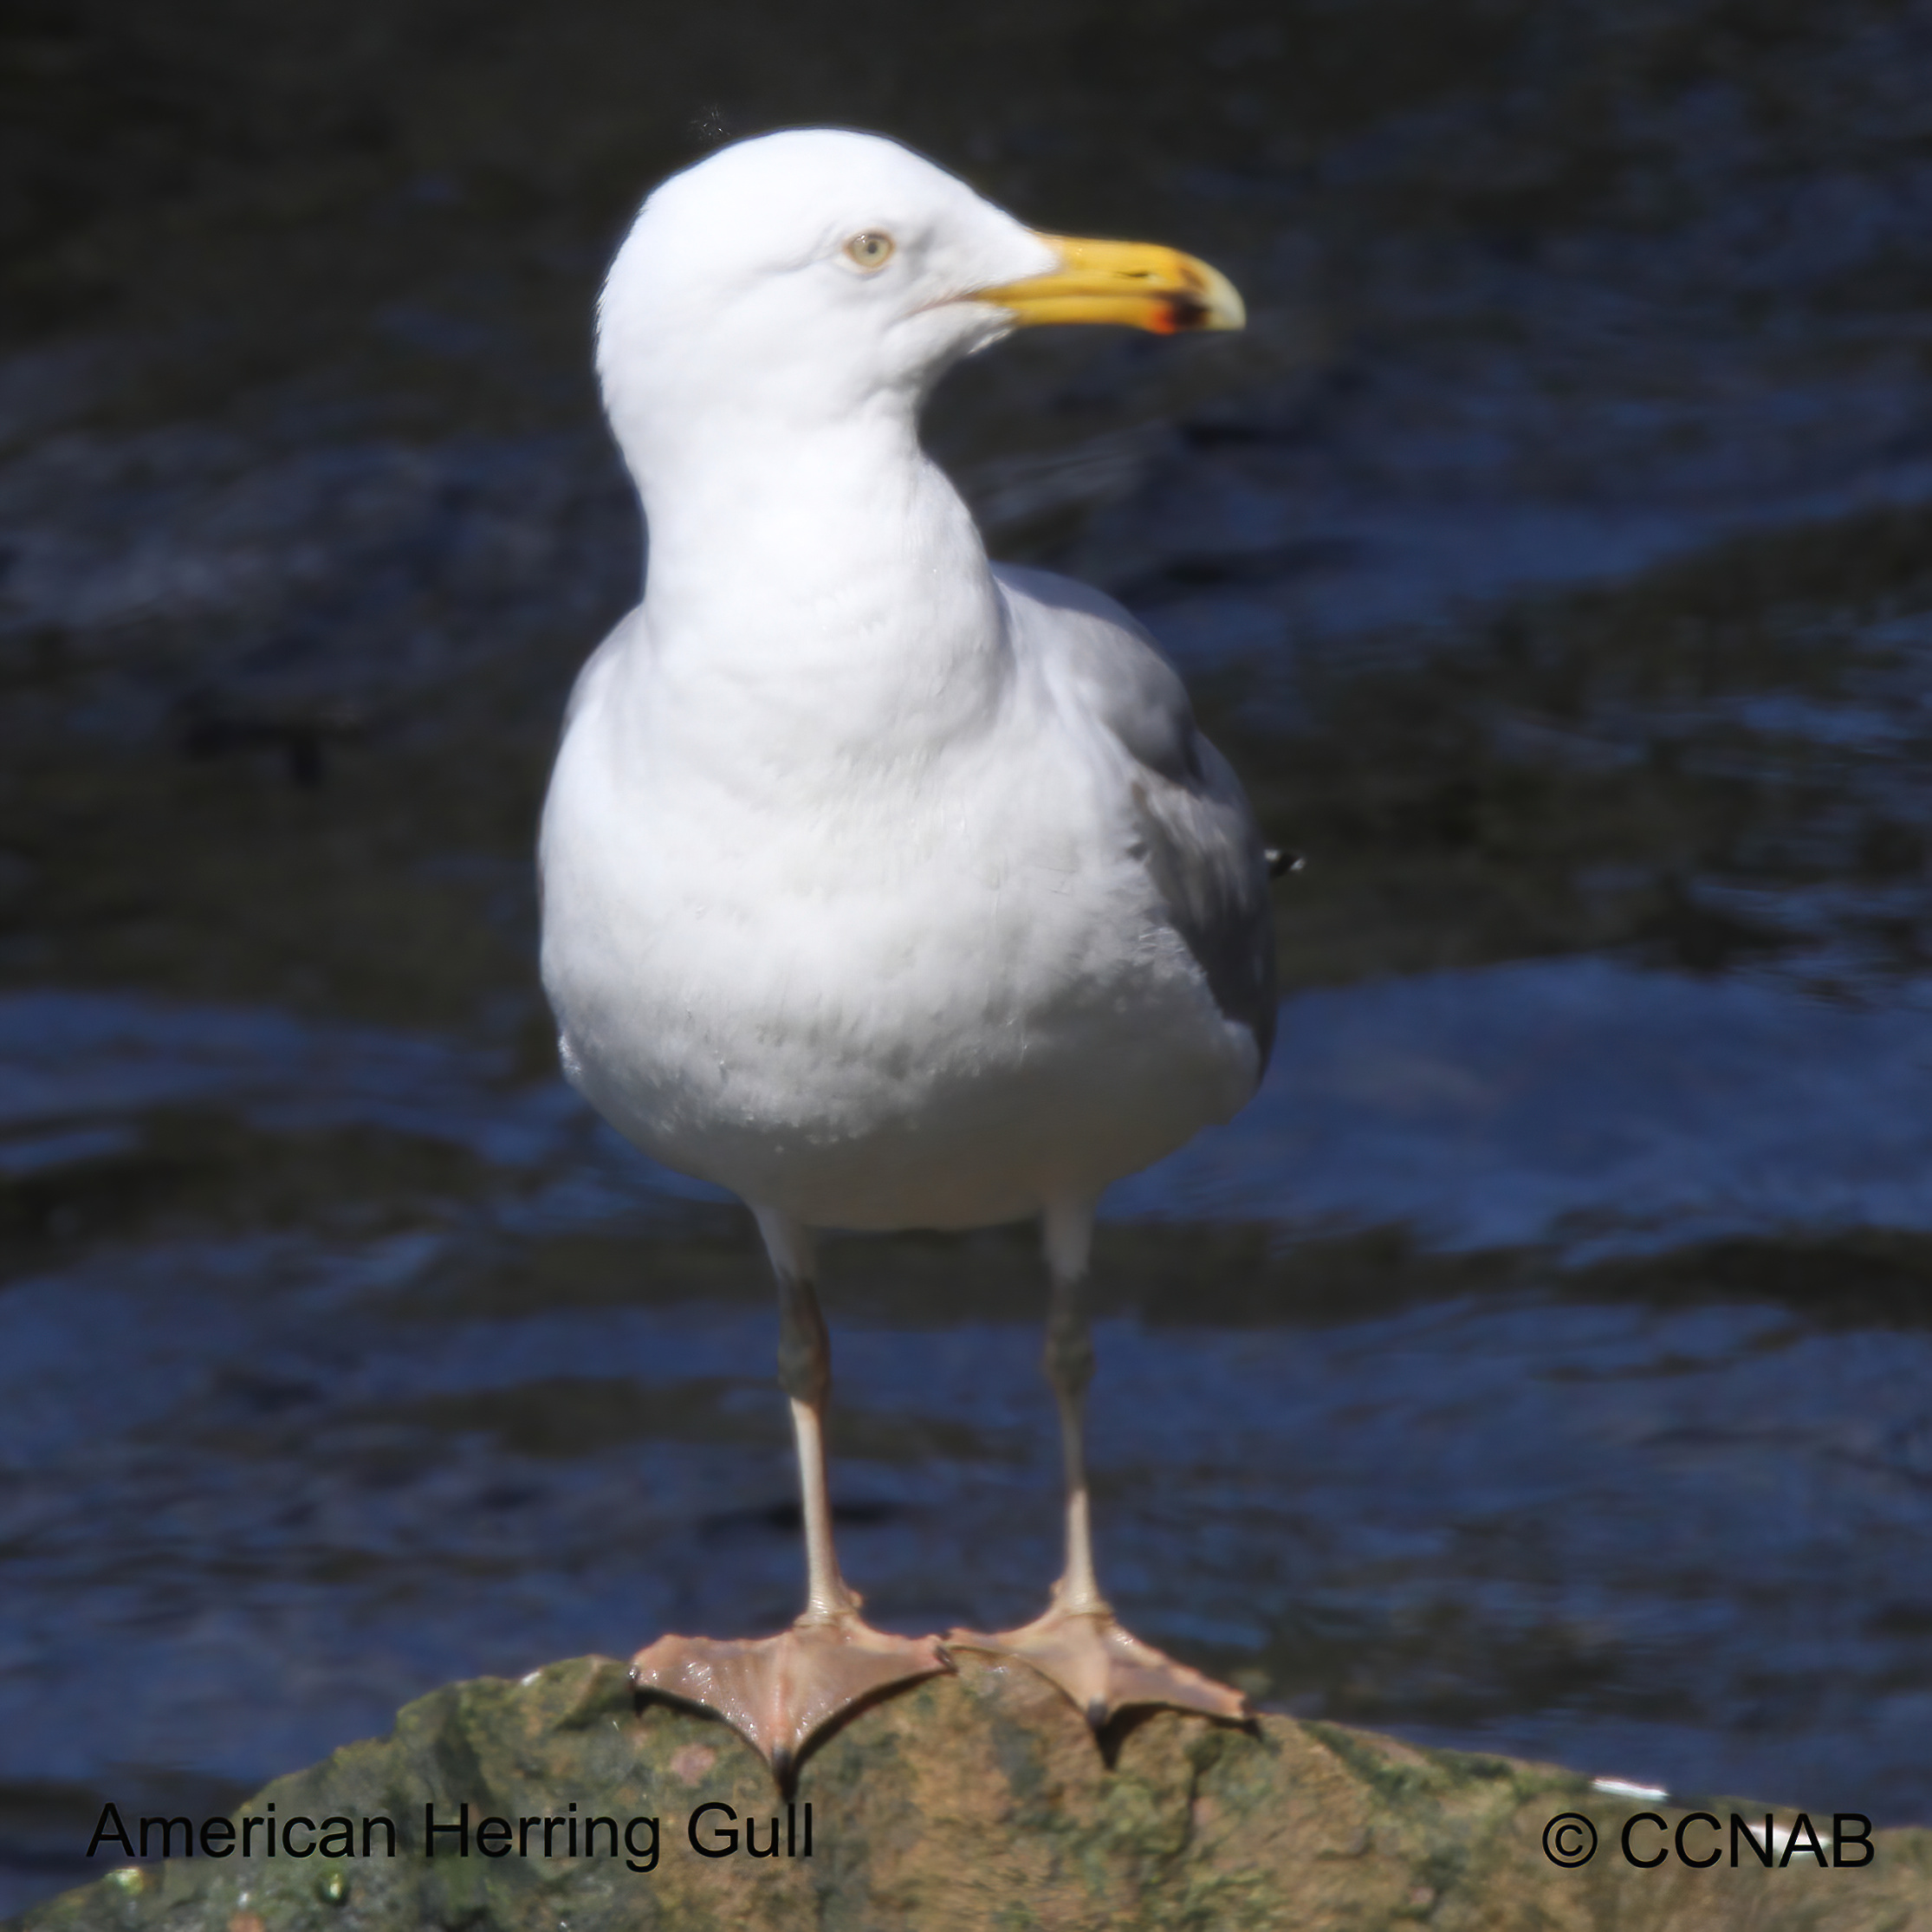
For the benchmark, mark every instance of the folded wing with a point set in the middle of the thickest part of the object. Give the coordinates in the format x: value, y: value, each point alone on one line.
x: 1191, y: 825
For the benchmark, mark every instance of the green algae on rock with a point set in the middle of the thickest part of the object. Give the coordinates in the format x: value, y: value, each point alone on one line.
x: 973, y: 1801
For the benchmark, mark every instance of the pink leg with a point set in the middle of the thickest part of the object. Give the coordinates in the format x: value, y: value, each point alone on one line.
x: 1077, y: 1644
x: 778, y: 1691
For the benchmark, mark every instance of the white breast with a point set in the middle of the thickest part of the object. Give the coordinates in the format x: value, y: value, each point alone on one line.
x: 934, y: 988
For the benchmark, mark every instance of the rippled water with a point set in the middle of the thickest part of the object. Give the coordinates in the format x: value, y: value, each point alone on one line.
x: 1537, y: 1365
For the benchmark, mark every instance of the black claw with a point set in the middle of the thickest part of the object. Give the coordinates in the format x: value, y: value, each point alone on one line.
x: 782, y: 1764
x: 1097, y: 1714
x: 1281, y: 863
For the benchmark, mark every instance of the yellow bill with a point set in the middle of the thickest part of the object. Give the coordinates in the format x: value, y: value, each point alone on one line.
x: 1139, y: 284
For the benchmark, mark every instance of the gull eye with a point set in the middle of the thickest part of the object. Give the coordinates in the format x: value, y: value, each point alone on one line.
x: 870, y: 251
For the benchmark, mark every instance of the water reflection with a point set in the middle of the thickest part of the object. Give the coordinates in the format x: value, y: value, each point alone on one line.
x: 1537, y: 1365
x: 1577, y: 1104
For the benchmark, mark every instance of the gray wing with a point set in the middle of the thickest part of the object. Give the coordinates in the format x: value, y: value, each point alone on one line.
x: 1197, y: 834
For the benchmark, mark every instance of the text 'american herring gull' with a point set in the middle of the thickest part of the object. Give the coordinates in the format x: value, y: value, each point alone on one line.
x: 884, y: 886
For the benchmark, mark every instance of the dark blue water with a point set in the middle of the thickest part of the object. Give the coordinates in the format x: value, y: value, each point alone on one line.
x: 1537, y: 1365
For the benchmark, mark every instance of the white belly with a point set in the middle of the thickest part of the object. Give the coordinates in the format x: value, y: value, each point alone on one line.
x: 945, y: 999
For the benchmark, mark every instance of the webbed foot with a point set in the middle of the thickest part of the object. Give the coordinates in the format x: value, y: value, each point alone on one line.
x: 778, y: 1692
x: 1104, y: 1667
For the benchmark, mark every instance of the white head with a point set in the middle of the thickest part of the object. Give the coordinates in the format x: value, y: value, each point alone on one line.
x: 808, y: 277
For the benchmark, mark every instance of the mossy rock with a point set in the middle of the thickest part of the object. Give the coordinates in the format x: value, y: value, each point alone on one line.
x: 975, y: 1801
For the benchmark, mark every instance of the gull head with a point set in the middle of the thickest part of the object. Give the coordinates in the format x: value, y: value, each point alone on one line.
x: 809, y: 277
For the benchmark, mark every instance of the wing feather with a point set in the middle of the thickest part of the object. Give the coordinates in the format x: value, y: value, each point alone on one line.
x: 1196, y: 835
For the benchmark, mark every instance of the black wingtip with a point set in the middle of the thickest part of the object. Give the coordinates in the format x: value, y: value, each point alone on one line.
x: 1281, y: 863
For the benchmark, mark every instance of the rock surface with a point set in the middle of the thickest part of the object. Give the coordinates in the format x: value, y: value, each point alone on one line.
x: 974, y: 1801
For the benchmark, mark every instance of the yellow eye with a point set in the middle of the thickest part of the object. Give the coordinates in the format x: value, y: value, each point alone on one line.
x: 870, y: 251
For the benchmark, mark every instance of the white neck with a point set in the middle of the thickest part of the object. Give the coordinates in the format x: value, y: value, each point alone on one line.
x: 828, y: 571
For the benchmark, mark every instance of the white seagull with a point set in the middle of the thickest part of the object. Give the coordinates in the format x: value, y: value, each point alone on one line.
x: 884, y: 886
